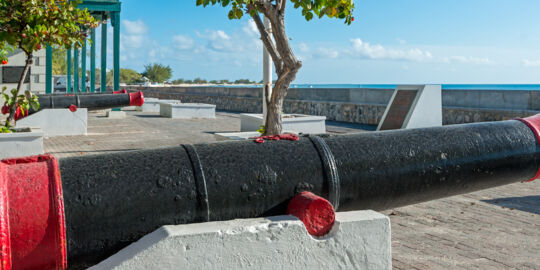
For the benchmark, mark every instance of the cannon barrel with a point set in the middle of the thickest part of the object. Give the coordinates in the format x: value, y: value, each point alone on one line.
x: 110, y: 201
x: 90, y: 101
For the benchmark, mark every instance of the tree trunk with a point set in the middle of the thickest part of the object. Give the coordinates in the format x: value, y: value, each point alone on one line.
x: 286, y: 69
x: 11, y: 118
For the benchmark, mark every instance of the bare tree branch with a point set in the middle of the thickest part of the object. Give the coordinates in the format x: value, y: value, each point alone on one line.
x: 268, y: 43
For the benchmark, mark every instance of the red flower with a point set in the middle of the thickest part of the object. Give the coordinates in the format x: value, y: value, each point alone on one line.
x: 5, y: 109
x: 352, y: 19
x: 4, y: 62
x: 73, y: 108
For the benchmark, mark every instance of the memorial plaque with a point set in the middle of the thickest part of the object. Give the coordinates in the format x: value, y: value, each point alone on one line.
x: 13, y: 75
x: 399, y: 109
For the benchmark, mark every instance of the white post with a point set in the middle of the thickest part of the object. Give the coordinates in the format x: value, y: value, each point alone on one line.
x: 267, y: 72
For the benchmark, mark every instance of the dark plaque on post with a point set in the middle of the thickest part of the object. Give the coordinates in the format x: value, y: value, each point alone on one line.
x: 13, y: 75
x: 399, y: 109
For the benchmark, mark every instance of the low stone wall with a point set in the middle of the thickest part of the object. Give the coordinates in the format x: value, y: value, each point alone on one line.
x: 365, y: 106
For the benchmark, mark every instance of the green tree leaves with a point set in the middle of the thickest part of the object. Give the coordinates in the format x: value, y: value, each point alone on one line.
x: 341, y: 9
x: 157, y: 72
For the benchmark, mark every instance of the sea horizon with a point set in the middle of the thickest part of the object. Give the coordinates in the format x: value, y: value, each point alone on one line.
x: 509, y: 87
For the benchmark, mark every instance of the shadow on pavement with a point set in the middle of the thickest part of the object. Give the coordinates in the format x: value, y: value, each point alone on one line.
x: 529, y: 204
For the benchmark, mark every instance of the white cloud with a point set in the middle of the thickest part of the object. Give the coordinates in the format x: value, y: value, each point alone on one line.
x: 250, y: 28
x: 135, y: 34
x: 326, y: 53
x: 531, y: 63
x: 367, y: 50
x: 182, y: 42
x: 135, y: 27
x: 467, y: 60
x: 303, y: 47
x: 220, y: 41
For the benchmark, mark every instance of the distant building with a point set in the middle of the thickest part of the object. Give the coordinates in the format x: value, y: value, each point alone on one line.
x: 11, y: 73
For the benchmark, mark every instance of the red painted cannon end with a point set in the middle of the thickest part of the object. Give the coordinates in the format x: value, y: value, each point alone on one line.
x: 136, y: 99
x: 32, y: 225
x: 123, y: 91
x: 315, y: 212
x: 533, y: 122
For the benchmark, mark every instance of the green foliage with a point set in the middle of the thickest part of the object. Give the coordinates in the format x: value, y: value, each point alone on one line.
x: 129, y: 76
x: 25, y: 102
x: 157, y: 72
x: 29, y: 25
x: 341, y: 9
x: 261, y: 129
x: 178, y: 81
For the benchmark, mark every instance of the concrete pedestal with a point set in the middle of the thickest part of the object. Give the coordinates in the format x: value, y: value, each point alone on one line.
x: 149, y: 105
x: 25, y: 142
x: 187, y: 110
x: 297, y: 123
x: 358, y: 240
x: 58, y: 122
x: 116, y: 114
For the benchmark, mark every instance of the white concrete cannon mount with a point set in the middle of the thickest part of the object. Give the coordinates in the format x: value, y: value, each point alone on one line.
x: 358, y: 240
x: 58, y: 122
x: 187, y: 110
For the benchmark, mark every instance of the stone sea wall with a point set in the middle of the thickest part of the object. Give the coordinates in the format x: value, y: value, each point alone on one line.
x: 356, y: 105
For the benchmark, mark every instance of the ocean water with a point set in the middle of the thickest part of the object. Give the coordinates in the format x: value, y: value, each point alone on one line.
x: 510, y: 87
x: 518, y: 87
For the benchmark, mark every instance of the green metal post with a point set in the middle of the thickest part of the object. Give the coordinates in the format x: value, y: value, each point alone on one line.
x: 48, y: 70
x: 93, y: 61
x: 76, y: 70
x: 116, y: 63
x: 68, y: 87
x: 104, y: 57
x: 83, y: 67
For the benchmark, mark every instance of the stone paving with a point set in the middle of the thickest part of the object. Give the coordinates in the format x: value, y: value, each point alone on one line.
x: 498, y: 228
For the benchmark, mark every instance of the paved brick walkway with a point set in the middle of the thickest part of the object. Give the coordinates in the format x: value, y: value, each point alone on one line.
x: 497, y: 228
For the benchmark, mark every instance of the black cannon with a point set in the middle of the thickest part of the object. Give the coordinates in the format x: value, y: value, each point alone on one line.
x: 108, y: 201
x: 88, y: 101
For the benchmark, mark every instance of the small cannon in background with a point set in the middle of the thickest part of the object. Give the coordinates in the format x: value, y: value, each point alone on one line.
x: 88, y: 101
x: 81, y: 210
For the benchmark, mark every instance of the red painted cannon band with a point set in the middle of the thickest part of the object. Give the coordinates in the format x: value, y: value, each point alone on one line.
x: 109, y: 201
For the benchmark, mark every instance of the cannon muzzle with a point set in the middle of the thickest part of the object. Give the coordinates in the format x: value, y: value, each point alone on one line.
x: 81, y: 210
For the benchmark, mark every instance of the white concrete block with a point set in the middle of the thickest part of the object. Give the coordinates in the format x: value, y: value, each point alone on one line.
x: 149, y: 105
x: 238, y: 136
x: 130, y: 108
x: 297, y: 123
x: 58, y: 122
x: 187, y: 110
x: 116, y: 114
x: 358, y: 240
x: 426, y: 109
x: 26, y: 142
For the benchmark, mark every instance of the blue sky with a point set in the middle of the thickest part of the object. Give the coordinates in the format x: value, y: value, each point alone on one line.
x: 391, y: 41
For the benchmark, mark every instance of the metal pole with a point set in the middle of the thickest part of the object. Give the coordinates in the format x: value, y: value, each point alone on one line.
x: 76, y: 70
x: 48, y: 70
x: 83, y: 67
x: 68, y: 87
x: 104, y: 56
x: 267, y: 72
x: 93, y: 61
x: 116, y: 60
